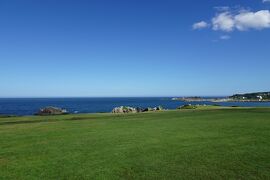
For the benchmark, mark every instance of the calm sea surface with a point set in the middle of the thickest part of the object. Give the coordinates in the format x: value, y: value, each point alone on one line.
x: 29, y: 106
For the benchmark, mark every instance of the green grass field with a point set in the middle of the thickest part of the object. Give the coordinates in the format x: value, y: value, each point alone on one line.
x: 216, y: 143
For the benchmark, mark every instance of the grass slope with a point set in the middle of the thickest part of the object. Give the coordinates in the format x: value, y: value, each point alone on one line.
x: 185, y: 144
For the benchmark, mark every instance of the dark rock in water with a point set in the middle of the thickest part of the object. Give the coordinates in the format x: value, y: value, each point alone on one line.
x: 51, y: 111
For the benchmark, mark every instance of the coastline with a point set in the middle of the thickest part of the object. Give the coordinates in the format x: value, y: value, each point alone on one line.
x: 217, y: 100
x: 31, y: 106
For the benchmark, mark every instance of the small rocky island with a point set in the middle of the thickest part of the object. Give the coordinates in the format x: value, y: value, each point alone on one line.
x: 248, y: 97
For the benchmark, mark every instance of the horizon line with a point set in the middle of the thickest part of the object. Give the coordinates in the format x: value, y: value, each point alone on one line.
x: 41, y: 97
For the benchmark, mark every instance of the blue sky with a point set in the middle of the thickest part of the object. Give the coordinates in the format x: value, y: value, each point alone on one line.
x: 133, y: 47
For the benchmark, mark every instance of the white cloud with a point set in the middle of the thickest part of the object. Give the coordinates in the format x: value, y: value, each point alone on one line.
x: 223, y: 8
x: 223, y: 21
x: 252, y: 20
x: 241, y: 20
x: 265, y: 1
x: 200, y: 25
x: 225, y: 37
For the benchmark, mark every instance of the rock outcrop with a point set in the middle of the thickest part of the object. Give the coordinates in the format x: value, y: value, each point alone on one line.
x: 148, y: 109
x: 126, y: 109
x: 159, y: 108
x: 51, y: 111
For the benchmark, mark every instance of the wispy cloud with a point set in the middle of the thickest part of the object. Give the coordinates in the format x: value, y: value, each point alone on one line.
x: 200, y: 25
x: 222, y: 8
x: 265, y: 1
x: 225, y: 37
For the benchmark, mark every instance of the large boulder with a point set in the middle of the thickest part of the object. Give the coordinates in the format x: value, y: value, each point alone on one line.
x: 51, y: 111
x: 126, y: 109
x: 139, y: 110
x: 159, y: 108
x: 148, y: 109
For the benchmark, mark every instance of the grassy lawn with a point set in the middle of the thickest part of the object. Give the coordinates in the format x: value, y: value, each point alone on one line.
x: 217, y: 143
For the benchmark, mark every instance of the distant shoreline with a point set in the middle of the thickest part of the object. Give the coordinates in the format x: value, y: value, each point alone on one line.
x: 248, y: 97
x: 216, y: 100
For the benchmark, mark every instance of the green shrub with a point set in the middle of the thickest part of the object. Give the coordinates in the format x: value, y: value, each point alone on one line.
x: 187, y: 106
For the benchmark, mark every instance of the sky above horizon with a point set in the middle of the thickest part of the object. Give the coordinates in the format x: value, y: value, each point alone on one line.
x: 120, y: 48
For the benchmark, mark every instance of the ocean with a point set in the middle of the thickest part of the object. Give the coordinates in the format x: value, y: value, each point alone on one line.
x: 29, y: 106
